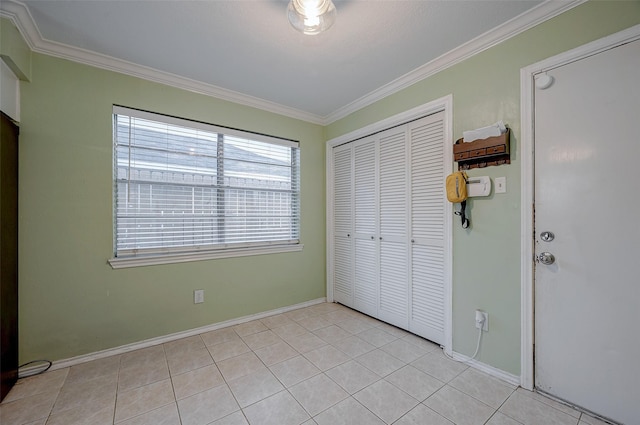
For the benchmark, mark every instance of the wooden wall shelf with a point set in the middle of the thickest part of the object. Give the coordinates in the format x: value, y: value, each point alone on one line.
x: 482, y: 153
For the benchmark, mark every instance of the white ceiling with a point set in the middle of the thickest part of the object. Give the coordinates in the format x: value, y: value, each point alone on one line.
x: 249, y: 48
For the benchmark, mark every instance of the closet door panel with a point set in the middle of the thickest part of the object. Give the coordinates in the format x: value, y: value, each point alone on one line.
x: 342, y: 190
x: 366, y: 276
x: 427, y: 293
x: 427, y: 228
x: 394, y: 294
x: 394, y: 263
x: 343, y: 271
x: 366, y: 223
x: 393, y: 184
x: 365, y: 188
x: 343, y: 289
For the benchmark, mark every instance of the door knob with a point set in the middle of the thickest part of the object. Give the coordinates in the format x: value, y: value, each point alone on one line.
x: 546, y: 258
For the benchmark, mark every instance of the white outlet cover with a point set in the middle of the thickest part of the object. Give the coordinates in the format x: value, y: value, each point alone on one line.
x: 198, y: 296
x: 485, y: 326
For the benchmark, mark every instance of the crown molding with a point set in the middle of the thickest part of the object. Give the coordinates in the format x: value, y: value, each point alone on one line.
x: 491, y: 38
x: 22, y: 19
x: 19, y: 14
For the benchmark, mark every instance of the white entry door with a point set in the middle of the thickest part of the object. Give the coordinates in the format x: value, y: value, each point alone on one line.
x: 587, y: 216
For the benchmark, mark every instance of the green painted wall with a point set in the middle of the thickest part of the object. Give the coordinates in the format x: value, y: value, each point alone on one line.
x: 71, y: 301
x: 486, y: 88
x: 14, y: 50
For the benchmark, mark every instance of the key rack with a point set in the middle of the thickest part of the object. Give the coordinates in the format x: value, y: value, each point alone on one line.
x: 482, y: 153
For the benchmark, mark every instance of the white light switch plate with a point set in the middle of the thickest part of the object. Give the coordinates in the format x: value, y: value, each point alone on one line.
x: 501, y: 185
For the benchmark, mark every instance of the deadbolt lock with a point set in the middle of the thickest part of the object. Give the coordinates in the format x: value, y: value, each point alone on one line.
x: 547, y: 236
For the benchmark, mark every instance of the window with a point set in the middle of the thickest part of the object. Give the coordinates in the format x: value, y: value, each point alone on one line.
x: 183, y: 188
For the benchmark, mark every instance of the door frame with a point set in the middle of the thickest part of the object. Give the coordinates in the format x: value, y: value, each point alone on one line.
x: 527, y: 200
x: 443, y: 104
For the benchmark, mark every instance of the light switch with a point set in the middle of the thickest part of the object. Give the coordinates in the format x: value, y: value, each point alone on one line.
x: 501, y: 185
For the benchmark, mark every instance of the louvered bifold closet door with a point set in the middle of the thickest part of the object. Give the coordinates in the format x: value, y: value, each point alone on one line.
x: 394, y: 248
x: 366, y: 223
x: 343, y: 224
x: 427, y: 228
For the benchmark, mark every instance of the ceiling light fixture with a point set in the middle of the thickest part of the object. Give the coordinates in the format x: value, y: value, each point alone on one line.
x: 311, y: 16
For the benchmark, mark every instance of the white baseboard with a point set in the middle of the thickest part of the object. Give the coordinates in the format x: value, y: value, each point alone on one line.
x: 489, y: 370
x: 60, y: 364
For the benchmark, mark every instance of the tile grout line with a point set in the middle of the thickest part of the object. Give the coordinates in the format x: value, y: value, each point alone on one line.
x: 502, y: 404
x: 58, y: 396
x: 475, y: 398
x: 173, y: 388
x: 224, y: 378
x: 545, y: 397
x: 115, y: 401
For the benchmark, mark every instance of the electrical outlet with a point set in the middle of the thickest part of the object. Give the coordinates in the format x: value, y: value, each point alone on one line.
x: 198, y: 296
x: 482, y: 319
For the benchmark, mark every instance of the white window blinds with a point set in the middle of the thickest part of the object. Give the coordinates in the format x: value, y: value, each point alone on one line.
x: 182, y: 186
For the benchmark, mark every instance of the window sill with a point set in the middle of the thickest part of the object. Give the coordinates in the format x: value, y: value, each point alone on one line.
x: 122, y: 263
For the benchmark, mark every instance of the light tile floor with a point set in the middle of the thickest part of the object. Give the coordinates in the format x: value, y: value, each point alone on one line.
x: 324, y: 364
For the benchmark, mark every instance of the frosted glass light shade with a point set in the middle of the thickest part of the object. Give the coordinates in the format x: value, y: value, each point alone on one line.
x: 311, y: 16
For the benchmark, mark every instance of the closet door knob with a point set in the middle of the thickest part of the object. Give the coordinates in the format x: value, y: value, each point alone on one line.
x: 373, y: 237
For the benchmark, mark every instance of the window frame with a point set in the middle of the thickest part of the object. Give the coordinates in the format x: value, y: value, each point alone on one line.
x: 142, y: 257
